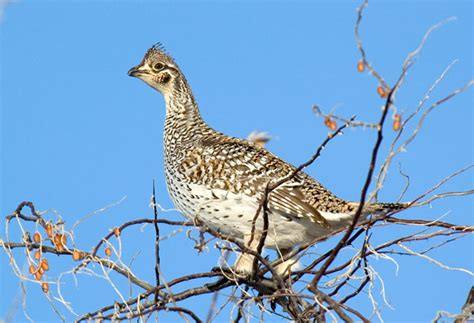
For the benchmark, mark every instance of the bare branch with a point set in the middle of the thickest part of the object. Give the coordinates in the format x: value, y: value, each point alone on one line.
x: 157, y: 241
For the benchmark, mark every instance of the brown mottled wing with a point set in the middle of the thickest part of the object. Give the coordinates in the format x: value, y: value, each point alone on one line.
x: 290, y: 200
x: 223, y: 164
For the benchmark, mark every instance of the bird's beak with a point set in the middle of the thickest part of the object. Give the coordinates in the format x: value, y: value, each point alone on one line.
x: 136, y: 71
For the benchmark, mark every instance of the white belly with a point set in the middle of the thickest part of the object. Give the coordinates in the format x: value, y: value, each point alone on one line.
x: 232, y: 215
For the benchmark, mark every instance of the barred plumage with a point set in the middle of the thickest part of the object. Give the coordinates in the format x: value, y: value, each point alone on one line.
x: 221, y: 180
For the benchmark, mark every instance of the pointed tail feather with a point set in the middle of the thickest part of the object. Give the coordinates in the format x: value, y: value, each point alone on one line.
x: 385, y: 207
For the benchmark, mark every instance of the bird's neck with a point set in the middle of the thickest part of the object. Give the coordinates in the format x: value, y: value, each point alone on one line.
x: 183, y: 123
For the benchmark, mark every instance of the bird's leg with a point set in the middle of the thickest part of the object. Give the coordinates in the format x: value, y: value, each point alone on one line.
x: 288, y: 265
x: 244, y: 263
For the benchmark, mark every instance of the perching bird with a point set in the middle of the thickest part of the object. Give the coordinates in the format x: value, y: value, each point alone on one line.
x: 221, y: 180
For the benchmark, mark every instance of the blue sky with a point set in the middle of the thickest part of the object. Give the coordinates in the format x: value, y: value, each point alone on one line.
x: 78, y: 134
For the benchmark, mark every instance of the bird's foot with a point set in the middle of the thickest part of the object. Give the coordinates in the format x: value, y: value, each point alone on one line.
x: 287, y: 267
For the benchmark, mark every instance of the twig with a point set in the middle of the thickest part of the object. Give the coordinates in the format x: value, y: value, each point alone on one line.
x: 458, y: 172
x: 157, y: 241
x: 365, y: 188
x: 371, y: 70
x: 432, y: 260
x: 454, y: 227
x: 351, y: 123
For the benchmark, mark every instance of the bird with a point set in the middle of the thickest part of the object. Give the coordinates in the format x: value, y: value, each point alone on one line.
x: 220, y: 180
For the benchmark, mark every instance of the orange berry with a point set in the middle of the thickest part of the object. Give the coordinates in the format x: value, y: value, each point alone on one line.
x: 37, y: 254
x: 360, y: 66
x: 331, y: 124
x: 38, y: 275
x: 382, y: 91
x: 37, y: 237
x: 397, y: 122
x: 32, y: 269
x: 44, y: 264
x: 58, y: 241
x: 45, y: 287
x: 108, y: 251
x: 40, y: 270
x: 117, y: 232
x: 63, y: 239
x: 49, y: 230
x: 77, y: 255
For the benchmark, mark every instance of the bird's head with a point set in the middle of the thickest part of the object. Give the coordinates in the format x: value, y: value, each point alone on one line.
x: 157, y: 69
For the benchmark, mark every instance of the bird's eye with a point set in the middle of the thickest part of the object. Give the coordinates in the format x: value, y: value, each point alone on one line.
x: 158, y: 66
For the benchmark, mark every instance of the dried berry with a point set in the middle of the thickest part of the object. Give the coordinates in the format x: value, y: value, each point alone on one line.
x: 397, y: 122
x: 330, y: 123
x: 383, y: 92
x: 37, y: 254
x: 360, y: 66
x: 44, y: 264
x: 49, y: 230
x: 37, y: 237
x: 58, y: 241
x: 77, y: 255
x: 108, y: 251
x: 45, y: 287
x: 32, y: 269
x: 38, y: 275
x: 117, y: 232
